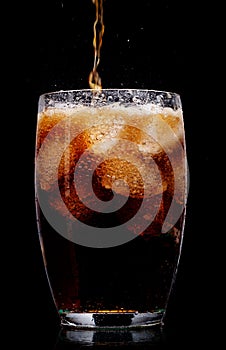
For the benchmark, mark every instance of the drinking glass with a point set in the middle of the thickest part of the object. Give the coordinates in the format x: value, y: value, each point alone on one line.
x: 111, y: 189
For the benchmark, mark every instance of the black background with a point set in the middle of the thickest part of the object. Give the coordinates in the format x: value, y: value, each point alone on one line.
x: 163, y: 45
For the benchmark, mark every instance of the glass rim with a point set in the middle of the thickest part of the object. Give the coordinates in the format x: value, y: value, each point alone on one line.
x: 57, y: 92
x: 108, y: 96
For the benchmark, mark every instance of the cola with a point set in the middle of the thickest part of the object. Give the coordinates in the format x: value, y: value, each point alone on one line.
x: 110, y: 185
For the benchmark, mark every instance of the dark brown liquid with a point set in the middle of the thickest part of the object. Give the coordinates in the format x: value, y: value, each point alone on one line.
x: 136, y: 275
x: 133, y: 276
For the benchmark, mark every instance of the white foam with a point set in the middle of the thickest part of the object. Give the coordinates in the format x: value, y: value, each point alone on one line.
x: 144, y: 109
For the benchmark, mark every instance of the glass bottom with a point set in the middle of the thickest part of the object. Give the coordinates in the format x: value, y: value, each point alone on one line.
x: 111, y: 319
x: 109, y: 337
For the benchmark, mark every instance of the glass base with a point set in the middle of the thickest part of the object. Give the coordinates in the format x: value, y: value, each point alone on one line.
x: 109, y: 337
x: 111, y: 319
